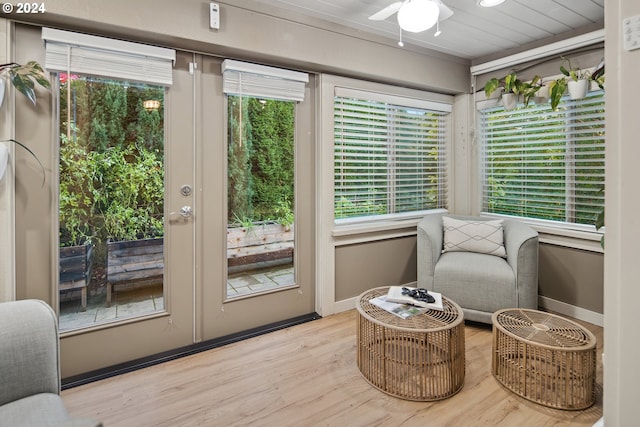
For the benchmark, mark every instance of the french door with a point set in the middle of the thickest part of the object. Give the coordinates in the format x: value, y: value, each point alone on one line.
x: 269, y: 278
x: 141, y: 287
x: 137, y: 303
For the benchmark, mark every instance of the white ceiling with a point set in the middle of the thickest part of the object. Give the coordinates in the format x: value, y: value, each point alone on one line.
x: 472, y: 32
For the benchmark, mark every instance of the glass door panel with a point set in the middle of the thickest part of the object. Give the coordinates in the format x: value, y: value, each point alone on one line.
x: 260, y: 195
x: 111, y: 206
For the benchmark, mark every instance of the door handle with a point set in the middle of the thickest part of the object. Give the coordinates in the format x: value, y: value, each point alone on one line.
x: 185, y: 212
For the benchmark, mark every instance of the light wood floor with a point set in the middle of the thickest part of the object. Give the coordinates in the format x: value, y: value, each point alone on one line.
x: 307, y: 376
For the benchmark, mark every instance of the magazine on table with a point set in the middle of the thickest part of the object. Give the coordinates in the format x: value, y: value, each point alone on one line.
x: 401, y: 294
x: 403, y: 311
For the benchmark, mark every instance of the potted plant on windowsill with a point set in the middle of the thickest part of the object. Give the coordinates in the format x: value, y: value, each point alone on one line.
x: 576, y: 81
x: 512, y: 89
x: 542, y: 94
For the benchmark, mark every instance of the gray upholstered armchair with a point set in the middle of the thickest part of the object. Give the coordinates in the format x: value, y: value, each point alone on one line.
x: 30, y: 367
x: 480, y: 283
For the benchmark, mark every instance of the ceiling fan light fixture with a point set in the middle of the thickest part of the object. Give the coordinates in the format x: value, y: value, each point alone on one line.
x: 489, y: 3
x: 438, y: 32
x: 416, y: 16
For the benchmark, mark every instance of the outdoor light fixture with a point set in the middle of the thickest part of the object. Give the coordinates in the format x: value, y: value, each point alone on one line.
x: 151, y: 104
x: 489, y: 3
x: 418, y: 15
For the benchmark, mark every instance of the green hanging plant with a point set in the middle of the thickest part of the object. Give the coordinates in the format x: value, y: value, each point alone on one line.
x: 24, y: 77
x: 558, y: 87
x: 511, y: 84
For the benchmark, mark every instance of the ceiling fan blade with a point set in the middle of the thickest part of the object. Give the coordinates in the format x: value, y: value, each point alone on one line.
x: 386, y: 12
x: 445, y: 12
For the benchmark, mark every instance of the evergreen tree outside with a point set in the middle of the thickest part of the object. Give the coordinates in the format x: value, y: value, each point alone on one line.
x: 260, y: 161
x: 108, y: 109
x: 239, y: 153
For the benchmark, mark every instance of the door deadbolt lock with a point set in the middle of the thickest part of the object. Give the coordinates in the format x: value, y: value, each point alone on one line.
x: 186, y: 190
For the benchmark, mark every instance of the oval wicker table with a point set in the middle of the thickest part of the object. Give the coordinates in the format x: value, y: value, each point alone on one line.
x: 420, y: 358
x: 545, y: 358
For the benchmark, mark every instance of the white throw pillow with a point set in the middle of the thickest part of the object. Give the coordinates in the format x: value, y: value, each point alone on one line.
x: 485, y: 237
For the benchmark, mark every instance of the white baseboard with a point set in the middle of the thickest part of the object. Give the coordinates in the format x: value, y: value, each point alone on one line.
x: 544, y: 302
x: 571, y: 311
x: 345, y: 305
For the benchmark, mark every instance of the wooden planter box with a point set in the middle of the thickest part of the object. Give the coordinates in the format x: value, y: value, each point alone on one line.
x: 134, y: 262
x: 75, y: 270
x: 263, y: 242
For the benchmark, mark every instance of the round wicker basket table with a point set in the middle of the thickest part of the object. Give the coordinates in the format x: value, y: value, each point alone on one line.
x: 420, y: 358
x: 545, y: 358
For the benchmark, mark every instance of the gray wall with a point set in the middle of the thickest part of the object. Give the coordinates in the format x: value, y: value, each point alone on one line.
x: 567, y: 275
x: 572, y: 276
x: 364, y: 266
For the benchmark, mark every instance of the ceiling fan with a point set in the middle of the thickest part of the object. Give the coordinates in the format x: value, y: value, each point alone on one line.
x: 415, y: 15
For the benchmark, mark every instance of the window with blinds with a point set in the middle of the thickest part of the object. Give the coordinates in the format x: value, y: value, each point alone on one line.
x: 545, y: 164
x: 390, y: 158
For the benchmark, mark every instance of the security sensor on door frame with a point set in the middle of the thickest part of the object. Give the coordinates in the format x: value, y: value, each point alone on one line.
x: 214, y: 16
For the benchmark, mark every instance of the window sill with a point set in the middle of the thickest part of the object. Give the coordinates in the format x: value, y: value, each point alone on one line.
x: 581, y: 237
x: 584, y: 240
x: 388, y: 229
x: 347, y: 234
x: 351, y: 230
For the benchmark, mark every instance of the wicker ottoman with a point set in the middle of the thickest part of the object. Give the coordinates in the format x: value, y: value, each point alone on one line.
x: 420, y: 358
x: 544, y: 358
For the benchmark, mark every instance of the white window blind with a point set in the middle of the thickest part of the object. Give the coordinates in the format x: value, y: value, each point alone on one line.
x: 84, y: 54
x: 260, y: 81
x: 390, y: 158
x: 545, y: 164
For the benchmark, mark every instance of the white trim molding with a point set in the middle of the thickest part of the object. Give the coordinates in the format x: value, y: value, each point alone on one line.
x: 546, y: 51
x: 7, y: 183
x: 571, y: 310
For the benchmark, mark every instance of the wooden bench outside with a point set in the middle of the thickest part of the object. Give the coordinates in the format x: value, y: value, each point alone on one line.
x: 262, y: 243
x: 75, y: 270
x: 134, y: 262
